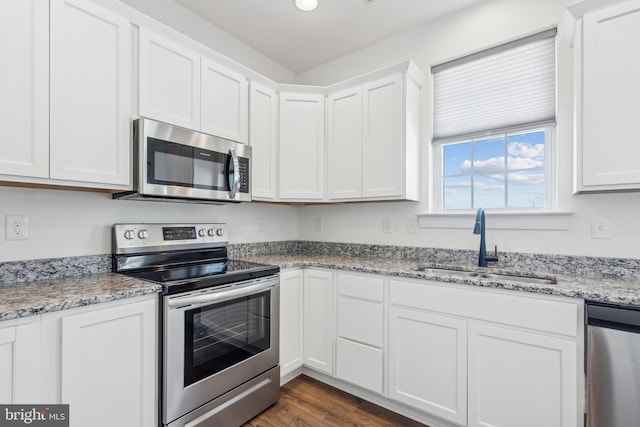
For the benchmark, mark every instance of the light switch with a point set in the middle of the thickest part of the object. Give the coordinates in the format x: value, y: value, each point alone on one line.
x: 601, y: 228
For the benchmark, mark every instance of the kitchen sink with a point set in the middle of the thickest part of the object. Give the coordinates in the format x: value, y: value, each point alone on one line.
x: 524, y: 279
x: 541, y: 280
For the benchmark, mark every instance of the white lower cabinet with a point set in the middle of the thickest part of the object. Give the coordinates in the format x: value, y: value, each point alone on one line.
x: 291, y: 303
x: 360, y: 330
x: 460, y: 354
x: 318, y: 320
x: 521, y: 379
x: 428, y: 362
x: 484, y: 357
x: 101, y: 360
x: 19, y: 361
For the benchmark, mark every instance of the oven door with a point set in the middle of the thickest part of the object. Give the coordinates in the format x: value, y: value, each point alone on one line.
x: 217, y: 339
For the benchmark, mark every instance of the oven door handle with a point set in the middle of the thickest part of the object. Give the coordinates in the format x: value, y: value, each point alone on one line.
x: 220, y: 295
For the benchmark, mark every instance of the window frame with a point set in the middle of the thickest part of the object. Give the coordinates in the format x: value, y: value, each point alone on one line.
x: 437, y: 169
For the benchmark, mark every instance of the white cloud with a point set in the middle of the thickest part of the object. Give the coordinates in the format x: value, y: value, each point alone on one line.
x: 525, y: 178
x: 523, y: 149
x: 495, y: 165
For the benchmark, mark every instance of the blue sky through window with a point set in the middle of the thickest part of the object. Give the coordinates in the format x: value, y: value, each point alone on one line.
x: 503, y: 171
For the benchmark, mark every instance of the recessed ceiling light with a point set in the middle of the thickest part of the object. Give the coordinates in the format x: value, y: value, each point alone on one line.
x: 306, y: 5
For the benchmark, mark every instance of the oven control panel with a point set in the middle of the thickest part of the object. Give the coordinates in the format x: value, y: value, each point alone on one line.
x: 138, y: 237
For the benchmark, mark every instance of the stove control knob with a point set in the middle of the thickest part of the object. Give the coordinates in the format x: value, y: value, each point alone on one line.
x: 211, y: 232
x: 202, y: 232
x: 129, y: 234
x: 143, y: 234
x: 220, y: 232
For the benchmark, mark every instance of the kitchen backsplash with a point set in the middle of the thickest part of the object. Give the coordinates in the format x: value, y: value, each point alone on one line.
x: 591, y: 267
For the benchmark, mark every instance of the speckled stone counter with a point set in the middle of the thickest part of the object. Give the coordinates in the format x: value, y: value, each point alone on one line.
x: 40, y: 286
x: 617, y: 290
x: 42, y: 296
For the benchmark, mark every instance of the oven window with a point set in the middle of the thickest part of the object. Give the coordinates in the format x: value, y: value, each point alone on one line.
x: 221, y: 335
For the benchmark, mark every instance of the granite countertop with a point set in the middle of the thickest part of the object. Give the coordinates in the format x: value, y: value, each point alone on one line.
x: 41, y: 292
x: 42, y: 296
x: 618, y: 291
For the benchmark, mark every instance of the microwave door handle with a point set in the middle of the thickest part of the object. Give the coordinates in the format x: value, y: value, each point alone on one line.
x: 236, y: 174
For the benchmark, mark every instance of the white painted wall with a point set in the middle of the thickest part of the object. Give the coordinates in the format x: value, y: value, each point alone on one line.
x: 70, y: 223
x: 484, y: 25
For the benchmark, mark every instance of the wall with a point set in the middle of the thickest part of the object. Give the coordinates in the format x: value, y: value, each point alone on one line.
x: 484, y: 25
x: 69, y: 223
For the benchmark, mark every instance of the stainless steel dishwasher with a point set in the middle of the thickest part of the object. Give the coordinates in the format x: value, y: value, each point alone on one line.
x: 613, y: 365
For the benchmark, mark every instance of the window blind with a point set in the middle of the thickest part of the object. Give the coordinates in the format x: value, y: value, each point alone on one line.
x: 507, y: 87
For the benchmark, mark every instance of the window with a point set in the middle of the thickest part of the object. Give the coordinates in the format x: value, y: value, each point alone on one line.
x: 494, y: 127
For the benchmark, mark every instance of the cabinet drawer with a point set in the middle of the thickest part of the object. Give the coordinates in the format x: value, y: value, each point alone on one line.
x: 366, y: 287
x: 359, y: 364
x: 521, y: 310
x: 360, y: 321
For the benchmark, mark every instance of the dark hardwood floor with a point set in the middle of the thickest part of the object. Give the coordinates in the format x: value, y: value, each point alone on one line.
x: 305, y: 402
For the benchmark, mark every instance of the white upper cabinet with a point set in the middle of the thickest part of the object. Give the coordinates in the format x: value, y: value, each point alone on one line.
x: 225, y: 102
x: 263, y: 128
x: 90, y: 93
x: 180, y: 86
x: 24, y: 104
x: 373, y: 137
x: 382, y: 154
x: 301, y: 160
x: 607, y: 107
x: 344, y: 144
x: 169, y: 81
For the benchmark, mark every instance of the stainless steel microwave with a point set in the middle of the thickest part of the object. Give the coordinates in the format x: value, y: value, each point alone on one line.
x: 176, y: 164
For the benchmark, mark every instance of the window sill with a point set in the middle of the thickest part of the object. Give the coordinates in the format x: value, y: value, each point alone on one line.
x: 499, y: 220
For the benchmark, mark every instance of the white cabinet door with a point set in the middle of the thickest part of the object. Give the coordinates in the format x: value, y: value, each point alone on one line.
x: 608, y: 151
x: 318, y: 320
x: 225, y: 102
x: 301, y: 157
x: 359, y: 364
x: 108, y: 360
x: 263, y: 123
x: 383, y: 150
x: 19, y: 361
x: 90, y: 93
x: 24, y: 103
x: 291, y: 315
x: 344, y: 144
x: 169, y: 81
x: 521, y: 379
x: 427, y: 363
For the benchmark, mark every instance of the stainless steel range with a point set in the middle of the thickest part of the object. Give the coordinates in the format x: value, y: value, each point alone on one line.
x: 219, y: 322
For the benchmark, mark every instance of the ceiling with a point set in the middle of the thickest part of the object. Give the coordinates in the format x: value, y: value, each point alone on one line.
x: 302, y: 40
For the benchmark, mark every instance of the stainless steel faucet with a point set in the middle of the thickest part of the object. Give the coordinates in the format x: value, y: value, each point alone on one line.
x: 479, y: 229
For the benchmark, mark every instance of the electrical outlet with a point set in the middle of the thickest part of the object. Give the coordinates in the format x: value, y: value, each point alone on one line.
x: 387, y: 225
x: 261, y: 227
x: 412, y: 225
x: 318, y: 224
x: 17, y: 227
